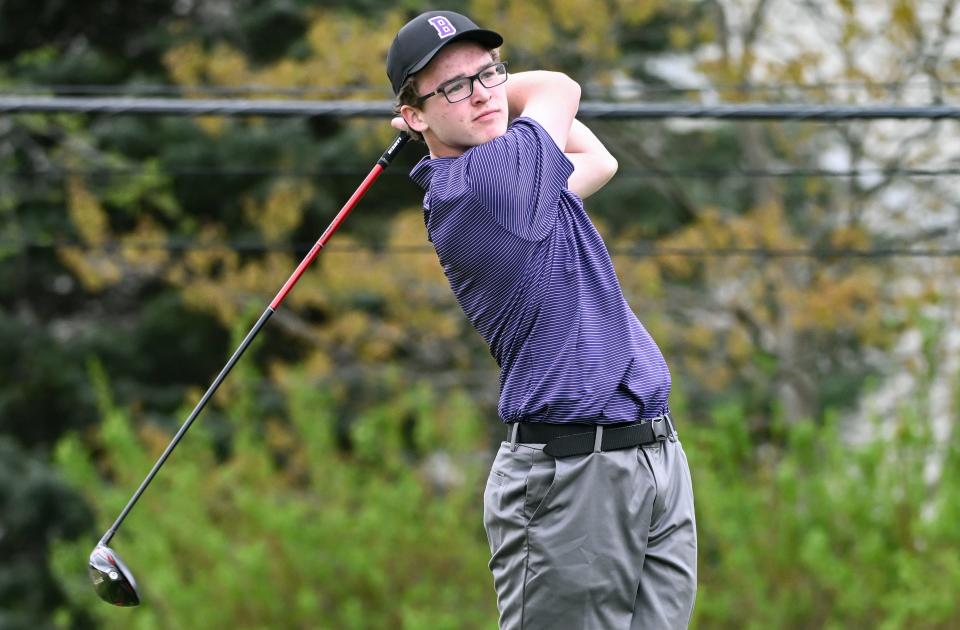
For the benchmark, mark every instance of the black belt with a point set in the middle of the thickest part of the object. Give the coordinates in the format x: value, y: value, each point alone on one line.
x: 566, y: 440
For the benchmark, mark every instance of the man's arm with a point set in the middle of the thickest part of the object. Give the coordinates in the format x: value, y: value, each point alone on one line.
x: 593, y: 165
x: 550, y: 98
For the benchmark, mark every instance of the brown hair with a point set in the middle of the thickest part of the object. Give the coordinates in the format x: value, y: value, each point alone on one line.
x: 410, y: 95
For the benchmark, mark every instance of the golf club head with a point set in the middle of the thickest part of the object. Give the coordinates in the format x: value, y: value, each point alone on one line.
x: 111, y: 578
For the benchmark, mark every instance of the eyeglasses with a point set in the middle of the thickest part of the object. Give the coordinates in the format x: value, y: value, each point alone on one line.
x: 460, y: 89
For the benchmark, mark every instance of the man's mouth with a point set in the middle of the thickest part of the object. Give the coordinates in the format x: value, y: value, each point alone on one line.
x: 487, y: 115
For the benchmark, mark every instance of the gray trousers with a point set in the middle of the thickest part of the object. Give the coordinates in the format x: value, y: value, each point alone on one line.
x: 604, y: 541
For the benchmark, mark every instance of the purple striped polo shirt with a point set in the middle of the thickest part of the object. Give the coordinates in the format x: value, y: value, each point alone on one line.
x: 533, y: 276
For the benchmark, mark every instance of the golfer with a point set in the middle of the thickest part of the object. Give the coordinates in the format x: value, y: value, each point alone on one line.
x: 588, y: 508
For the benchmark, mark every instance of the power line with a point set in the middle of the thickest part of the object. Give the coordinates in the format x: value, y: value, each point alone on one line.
x: 383, y: 109
x: 642, y: 249
x: 253, y: 171
x: 643, y: 88
x: 763, y: 111
x: 187, y: 90
x: 751, y: 88
x: 199, y: 107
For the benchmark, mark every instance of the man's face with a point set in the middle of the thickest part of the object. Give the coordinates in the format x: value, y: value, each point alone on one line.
x: 451, y: 128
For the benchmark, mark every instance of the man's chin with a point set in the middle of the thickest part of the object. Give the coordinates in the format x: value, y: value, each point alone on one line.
x: 458, y: 146
x: 494, y: 133
x: 475, y: 140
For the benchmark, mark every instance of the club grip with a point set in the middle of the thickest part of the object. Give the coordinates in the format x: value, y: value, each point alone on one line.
x: 393, y: 149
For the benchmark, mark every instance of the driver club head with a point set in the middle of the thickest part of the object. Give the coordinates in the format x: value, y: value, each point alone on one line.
x: 111, y: 578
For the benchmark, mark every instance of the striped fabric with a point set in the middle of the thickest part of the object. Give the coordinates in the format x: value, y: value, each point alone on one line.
x: 533, y: 276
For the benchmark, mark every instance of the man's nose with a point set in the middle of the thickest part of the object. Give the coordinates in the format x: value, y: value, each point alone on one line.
x: 481, y: 92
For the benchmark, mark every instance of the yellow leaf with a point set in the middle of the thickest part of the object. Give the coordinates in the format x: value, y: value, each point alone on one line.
x: 145, y: 247
x: 282, y: 211
x: 86, y: 213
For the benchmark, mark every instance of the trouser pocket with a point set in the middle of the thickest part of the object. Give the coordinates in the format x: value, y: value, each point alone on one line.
x: 540, y: 480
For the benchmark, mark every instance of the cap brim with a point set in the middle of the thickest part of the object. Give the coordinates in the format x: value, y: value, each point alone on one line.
x: 479, y: 35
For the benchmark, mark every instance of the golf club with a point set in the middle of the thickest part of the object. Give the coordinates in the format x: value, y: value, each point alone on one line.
x: 111, y: 578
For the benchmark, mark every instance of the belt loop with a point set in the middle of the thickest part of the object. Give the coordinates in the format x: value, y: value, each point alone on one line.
x: 598, y: 441
x: 513, y: 437
x: 672, y: 427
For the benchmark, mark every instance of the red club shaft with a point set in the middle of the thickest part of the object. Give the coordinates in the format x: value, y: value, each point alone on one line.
x: 382, y: 163
x: 337, y: 220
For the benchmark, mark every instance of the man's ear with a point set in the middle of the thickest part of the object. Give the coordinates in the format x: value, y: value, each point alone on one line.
x: 414, y: 118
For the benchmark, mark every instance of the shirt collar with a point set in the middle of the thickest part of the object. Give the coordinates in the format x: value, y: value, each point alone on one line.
x: 423, y: 172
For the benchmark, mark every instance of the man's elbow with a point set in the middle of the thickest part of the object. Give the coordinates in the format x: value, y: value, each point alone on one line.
x: 573, y: 87
x: 566, y: 86
x: 610, y: 166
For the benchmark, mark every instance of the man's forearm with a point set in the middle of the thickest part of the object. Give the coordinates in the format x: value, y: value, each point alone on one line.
x: 582, y: 140
x: 593, y: 165
x: 523, y: 86
x: 552, y: 99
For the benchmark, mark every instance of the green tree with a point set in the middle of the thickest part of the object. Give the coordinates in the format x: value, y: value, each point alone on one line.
x: 37, y: 508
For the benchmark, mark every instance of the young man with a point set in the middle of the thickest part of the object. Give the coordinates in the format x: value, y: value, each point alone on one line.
x: 589, y: 507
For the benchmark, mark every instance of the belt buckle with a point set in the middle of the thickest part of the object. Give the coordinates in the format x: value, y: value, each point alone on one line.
x: 658, y: 425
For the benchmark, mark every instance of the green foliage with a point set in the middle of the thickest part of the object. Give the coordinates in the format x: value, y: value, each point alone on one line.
x: 36, y: 508
x: 298, y: 526
x: 819, y: 532
x: 43, y: 399
x: 293, y: 529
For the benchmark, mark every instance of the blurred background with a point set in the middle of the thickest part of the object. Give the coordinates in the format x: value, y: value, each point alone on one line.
x: 799, y: 275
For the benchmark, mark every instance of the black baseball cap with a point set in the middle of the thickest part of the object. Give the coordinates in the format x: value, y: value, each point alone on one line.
x: 422, y: 38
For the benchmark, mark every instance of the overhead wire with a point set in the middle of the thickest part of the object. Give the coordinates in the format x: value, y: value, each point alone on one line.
x: 251, y: 171
x: 384, y: 109
x: 608, y: 110
x: 640, y: 249
x: 129, y: 89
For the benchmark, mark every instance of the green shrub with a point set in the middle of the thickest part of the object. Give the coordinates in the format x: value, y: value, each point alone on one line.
x: 814, y: 532
x: 294, y: 525
x: 290, y: 529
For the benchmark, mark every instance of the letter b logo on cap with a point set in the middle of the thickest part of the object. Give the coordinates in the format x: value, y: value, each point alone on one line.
x: 443, y: 26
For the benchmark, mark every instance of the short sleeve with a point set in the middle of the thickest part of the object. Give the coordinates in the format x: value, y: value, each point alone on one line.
x: 520, y: 177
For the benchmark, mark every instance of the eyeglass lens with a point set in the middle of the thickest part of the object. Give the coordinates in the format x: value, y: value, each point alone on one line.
x: 460, y: 89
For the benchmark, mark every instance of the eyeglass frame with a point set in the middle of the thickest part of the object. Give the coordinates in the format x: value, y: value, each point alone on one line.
x: 471, y: 79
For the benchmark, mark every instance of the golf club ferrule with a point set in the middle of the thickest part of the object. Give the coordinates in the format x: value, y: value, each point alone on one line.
x: 393, y: 149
